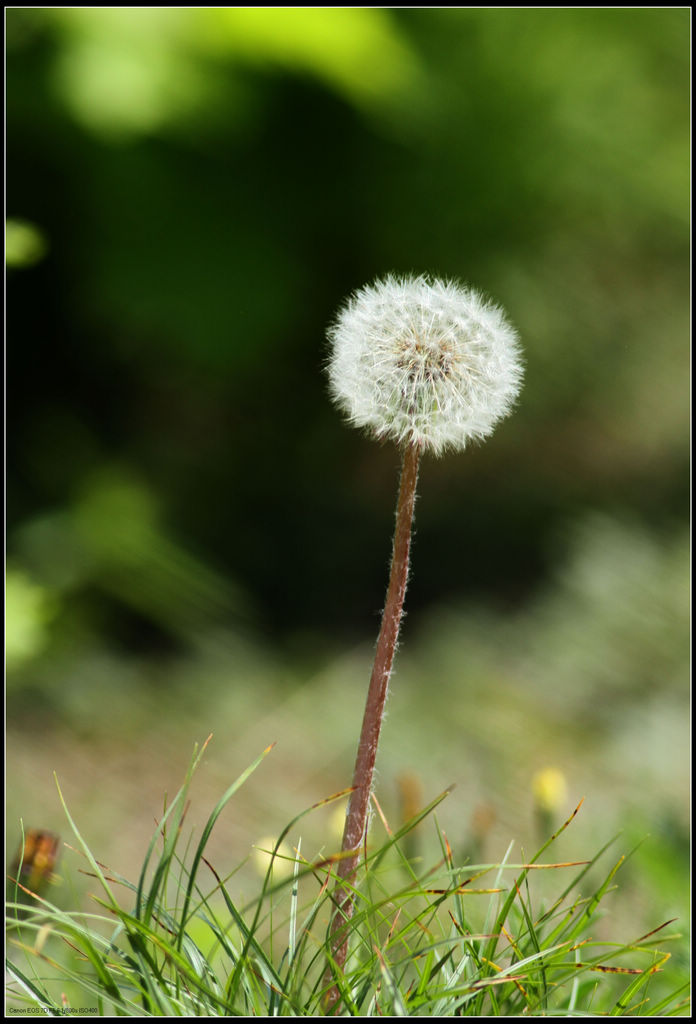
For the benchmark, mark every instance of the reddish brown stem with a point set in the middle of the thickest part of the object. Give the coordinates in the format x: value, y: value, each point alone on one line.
x: 358, y: 808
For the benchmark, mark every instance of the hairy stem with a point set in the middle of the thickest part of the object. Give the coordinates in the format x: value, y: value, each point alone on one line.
x: 358, y: 808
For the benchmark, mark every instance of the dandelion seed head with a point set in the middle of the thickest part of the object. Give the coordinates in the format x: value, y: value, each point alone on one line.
x: 424, y: 361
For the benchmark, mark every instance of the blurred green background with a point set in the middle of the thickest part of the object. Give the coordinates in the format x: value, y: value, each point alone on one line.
x: 198, y: 543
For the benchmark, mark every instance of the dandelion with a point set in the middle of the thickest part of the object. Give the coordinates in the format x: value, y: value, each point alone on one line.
x: 424, y: 362
x: 433, y: 366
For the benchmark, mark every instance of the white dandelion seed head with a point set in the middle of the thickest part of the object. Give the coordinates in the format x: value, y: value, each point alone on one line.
x: 424, y: 361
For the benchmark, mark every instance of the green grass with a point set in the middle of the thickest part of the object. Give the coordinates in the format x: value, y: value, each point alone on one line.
x: 500, y: 939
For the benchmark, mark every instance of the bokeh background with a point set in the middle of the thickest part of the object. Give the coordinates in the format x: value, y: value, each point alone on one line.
x: 196, y: 541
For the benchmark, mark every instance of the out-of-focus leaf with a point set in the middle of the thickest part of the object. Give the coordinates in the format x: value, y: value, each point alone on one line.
x: 25, y: 244
x: 28, y: 612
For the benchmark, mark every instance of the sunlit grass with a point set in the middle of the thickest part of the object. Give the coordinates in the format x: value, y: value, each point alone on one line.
x: 451, y: 939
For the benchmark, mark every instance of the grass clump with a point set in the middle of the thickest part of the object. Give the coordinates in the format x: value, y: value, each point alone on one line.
x: 499, y: 939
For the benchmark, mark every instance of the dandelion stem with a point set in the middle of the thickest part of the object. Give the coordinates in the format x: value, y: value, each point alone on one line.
x: 358, y: 808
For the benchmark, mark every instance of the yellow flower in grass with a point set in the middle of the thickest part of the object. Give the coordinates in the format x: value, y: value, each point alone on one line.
x: 282, y: 864
x: 549, y: 789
